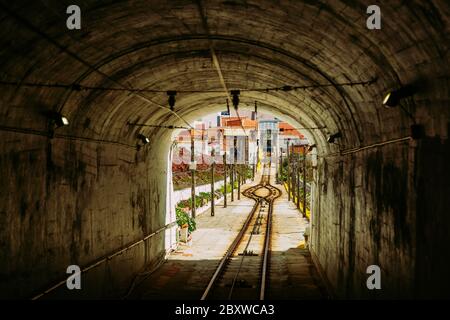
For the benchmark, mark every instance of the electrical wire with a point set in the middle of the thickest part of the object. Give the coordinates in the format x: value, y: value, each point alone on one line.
x: 355, y: 150
x: 303, y: 128
x: 215, y: 59
x: 409, y: 114
x: 62, y: 136
x: 217, y: 128
x: 158, y: 126
x: 74, y: 56
x: 79, y: 87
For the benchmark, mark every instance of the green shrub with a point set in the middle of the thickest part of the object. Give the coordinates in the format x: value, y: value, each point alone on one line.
x: 198, y: 201
x: 184, y: 203
x: 222, y: 188
x: 205, y: 195
x: 184, y: 218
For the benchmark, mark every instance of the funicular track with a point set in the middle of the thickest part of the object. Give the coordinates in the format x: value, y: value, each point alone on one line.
x: 243, y: 271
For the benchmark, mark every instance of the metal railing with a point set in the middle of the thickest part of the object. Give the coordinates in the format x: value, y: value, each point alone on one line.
x: 106, y: 258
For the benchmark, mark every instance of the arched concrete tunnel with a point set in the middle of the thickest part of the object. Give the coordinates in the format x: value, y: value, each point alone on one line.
x: 78, y: 193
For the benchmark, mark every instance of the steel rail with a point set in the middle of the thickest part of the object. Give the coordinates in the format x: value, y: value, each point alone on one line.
x: 230, y: 250
x: 230, y: 294
x: 265, y: 253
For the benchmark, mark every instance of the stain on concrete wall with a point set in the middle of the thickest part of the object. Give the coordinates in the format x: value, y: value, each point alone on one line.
x: 69, y: 202
x: 363, y: 219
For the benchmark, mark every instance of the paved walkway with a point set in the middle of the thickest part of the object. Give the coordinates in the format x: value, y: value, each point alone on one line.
x: 188, y: 270
x: 292, y: 273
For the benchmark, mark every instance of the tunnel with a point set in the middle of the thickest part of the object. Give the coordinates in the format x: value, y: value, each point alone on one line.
x: 91, y: 194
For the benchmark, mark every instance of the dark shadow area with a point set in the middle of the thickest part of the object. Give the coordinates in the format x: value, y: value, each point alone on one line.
x: 292, y: 277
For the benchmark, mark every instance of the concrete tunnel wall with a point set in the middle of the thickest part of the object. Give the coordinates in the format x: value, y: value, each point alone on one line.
x: 385, y: 206
x: 70, y: 201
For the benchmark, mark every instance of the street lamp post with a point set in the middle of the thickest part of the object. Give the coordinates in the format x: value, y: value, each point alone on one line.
x: 298, y: 183
x: 233, y: 168
x: 212, y: 181
x: 192, y: 174
x: 304, y: 183
x: 225, y: 172
x: 281, y: 166
x: 288, y: 171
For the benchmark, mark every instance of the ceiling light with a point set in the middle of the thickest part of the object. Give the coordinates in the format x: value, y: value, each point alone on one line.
x: 171, y: 95
x: 392, y: 98
x: 235, y: 94
x: 143, y: 139
x: 332, y: 138
x: 64, y: 121
x: 311, y: 147
x: 58, y: 119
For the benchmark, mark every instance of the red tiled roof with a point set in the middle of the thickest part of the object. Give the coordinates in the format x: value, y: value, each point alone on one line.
x: 287, y: 130
x: 236, y: 122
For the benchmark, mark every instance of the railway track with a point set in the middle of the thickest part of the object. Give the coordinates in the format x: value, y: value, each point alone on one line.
x: 243, y: 271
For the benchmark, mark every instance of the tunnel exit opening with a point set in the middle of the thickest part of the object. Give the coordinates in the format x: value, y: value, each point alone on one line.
x: 228, y: 153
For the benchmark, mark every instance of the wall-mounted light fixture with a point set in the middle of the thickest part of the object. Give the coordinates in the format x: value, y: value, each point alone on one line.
x: 143, y: 138
x: 392, y: 98
x: 172, y: 95
x: 332, y: 138
x: 311, y: 147
x: 57, y: 119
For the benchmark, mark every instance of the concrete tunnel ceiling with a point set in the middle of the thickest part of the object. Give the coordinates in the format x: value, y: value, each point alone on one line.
x: 166, y: 47
x: 89, y: 191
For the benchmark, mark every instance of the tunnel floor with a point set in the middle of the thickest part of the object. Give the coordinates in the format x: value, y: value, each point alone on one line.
x: 188, y: 269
